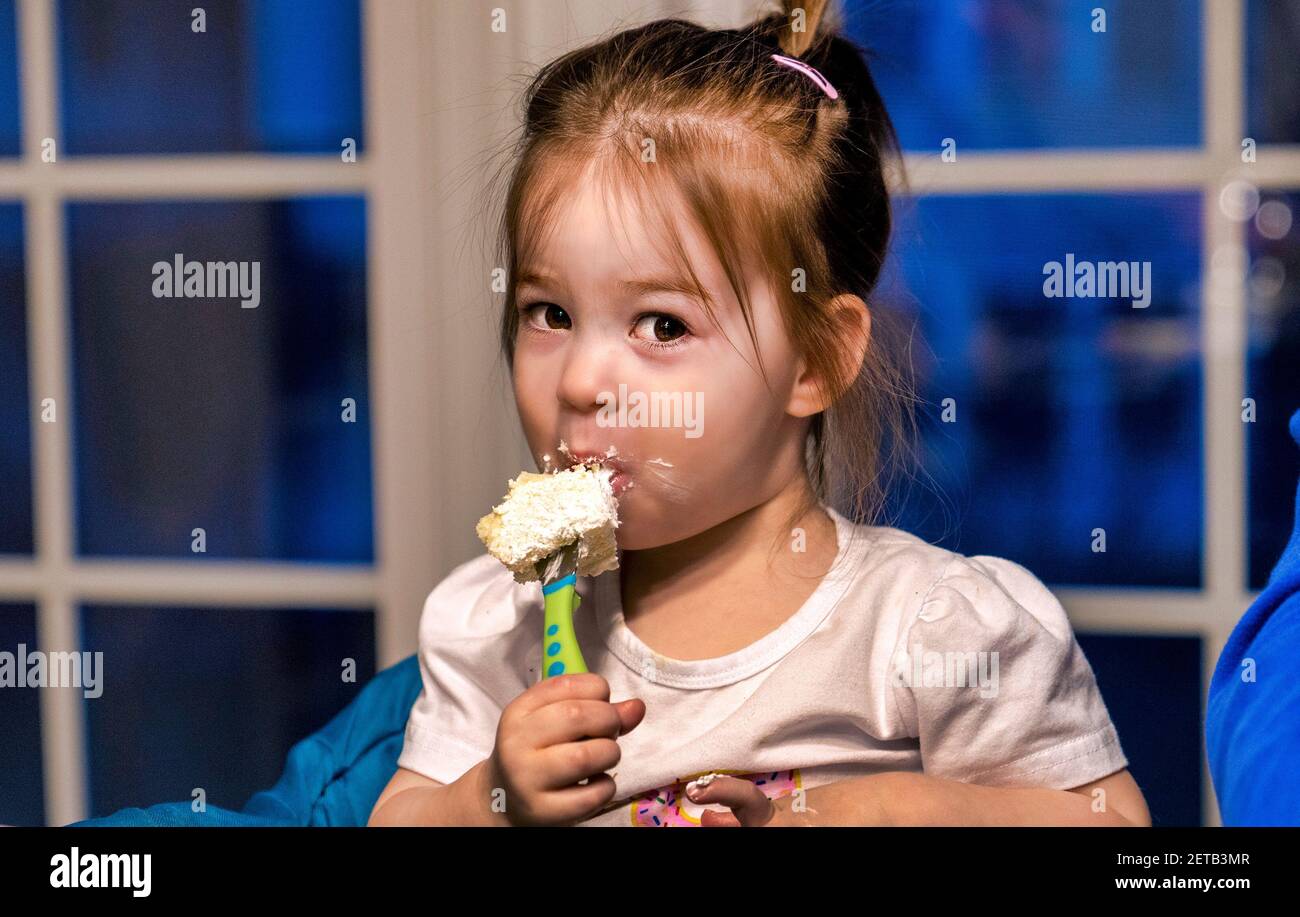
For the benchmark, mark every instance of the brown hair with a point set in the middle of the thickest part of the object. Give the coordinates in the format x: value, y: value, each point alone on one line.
x: 746, y: 144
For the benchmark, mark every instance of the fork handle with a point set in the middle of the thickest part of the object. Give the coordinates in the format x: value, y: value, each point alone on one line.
x: 560, y: 652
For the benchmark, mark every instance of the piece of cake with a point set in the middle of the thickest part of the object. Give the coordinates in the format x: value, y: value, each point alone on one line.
x: 541, y: 513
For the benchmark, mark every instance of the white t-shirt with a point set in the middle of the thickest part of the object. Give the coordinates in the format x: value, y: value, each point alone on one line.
x: 907, y: 657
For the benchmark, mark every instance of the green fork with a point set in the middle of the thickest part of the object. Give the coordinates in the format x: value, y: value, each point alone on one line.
x: 559, y: 575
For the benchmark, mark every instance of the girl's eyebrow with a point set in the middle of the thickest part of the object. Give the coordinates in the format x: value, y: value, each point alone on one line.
x: 527, y: 275
x: 641, y: 286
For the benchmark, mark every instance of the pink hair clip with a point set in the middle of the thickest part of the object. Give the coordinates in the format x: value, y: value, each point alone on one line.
x: 804, y: 68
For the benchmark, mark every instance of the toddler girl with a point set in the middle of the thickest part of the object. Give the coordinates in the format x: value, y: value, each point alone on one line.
x: 694, y: 228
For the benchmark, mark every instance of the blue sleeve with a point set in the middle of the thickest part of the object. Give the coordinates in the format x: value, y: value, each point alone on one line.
x: 1252, y: 730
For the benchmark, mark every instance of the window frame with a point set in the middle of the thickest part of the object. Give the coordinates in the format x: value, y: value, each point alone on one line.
x: 409, y: 547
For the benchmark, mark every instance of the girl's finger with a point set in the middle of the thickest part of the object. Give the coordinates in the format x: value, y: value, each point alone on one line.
x: 711, y: 819
x: 571, y: 721
x: 561, y: 766
x: 574, y: 685
x: 571, y: 804
x: 747, y: 802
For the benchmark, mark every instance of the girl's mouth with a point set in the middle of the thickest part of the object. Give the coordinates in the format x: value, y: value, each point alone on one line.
x: 619, y: 481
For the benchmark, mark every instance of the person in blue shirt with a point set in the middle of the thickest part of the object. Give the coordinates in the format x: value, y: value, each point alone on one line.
x: 1252, y: 718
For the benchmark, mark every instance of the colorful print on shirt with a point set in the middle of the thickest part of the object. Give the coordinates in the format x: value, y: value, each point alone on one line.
x: 669, y: 807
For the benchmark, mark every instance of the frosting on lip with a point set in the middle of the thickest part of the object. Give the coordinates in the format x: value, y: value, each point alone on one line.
x: 610, y: 458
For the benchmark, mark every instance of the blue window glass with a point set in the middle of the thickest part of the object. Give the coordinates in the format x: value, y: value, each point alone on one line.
x: 278, y: 76
x: 1014, y: 74
x: 15, y: 411
x: 1152, y: 687
x: 22, y: 784
x: 1066, y: 406
x: 1272, y: 78
x: 197, y: 412
x: 10, y: 142
x: 212, y: 698
x: 1273, y: 377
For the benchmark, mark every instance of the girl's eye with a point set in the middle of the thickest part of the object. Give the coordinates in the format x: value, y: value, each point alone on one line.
x: 663, y: 330
x: 657, y: 329
x: 551, y: 313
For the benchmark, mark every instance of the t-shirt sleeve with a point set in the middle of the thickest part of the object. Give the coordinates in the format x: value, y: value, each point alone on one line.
x: 989, y: 677
x: 466, y: 674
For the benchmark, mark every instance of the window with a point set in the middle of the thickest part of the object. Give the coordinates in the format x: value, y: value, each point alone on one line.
x: 1063, y: 408
x: 8, y: 80
x: 212, y: 698
x: 269, y: 76
x: 1273, y: 374
x: 253, y: 402
x: 203, y: 472
x: 1034, y: 74
x: 15, y: 416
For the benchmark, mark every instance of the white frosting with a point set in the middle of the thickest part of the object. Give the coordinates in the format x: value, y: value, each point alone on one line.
x: 541, y: 513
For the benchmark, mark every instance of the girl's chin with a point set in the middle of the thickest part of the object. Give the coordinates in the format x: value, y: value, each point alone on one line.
x: 636, y: 533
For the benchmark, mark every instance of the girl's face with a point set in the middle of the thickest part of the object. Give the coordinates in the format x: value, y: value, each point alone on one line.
x: 602, y: 332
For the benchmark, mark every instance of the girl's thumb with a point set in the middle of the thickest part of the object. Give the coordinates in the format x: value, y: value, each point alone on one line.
x: 630, y: 713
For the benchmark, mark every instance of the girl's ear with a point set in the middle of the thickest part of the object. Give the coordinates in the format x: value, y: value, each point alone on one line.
x: 851, y: 316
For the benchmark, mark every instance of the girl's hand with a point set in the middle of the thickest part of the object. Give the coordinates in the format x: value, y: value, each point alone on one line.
x: 750, y: 806
x: 859, y: 801
x: 558, y: 732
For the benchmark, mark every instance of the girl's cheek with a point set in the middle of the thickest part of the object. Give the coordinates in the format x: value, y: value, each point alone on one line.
x: 531, y: 404
x: 672, y: 485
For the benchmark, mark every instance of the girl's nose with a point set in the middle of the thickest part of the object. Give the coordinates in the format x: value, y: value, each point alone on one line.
x: 590, y: 375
